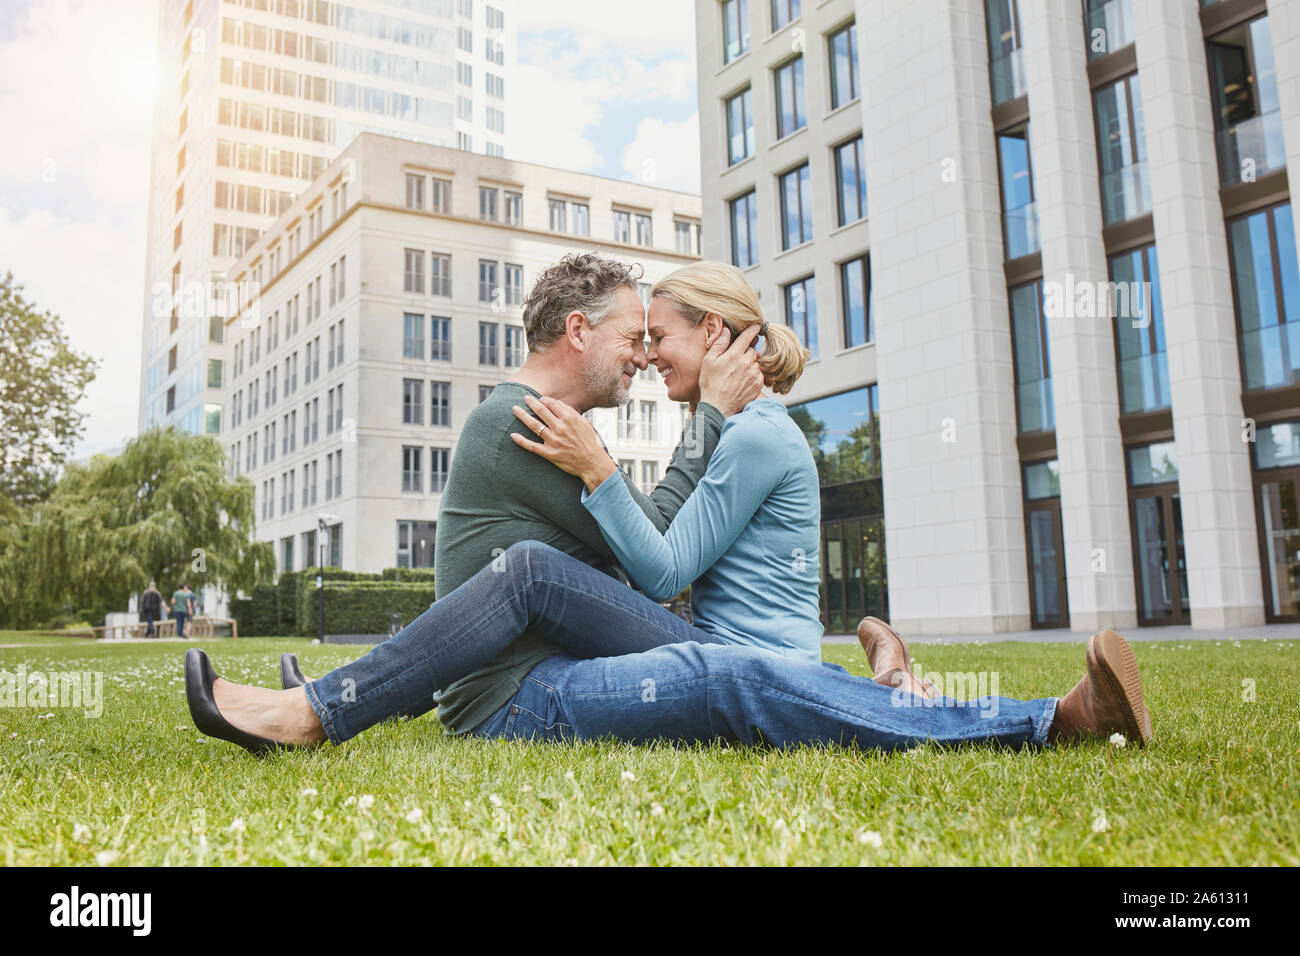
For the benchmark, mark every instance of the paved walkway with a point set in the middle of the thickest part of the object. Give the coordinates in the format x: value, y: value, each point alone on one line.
x: 1171, y: 635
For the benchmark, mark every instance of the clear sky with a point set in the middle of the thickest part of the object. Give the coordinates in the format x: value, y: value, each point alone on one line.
x: 604, y: 86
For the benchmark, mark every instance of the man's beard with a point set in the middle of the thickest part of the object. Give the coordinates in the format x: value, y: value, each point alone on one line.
x: 604, y: 388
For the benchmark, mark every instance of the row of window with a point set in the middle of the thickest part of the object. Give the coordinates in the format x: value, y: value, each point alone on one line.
x: 246, y: 449
x: 794, y: 199
x: 413, y: 468
x: 330, y: 550
x: 289, y: 501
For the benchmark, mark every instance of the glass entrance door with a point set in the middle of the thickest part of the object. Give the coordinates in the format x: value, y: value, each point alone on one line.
x: 1279, y: 523
x: 854, y: 582
x: 1158, y: 556
x: 1047, y: 595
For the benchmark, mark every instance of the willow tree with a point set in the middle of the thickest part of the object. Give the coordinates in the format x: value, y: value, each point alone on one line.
x: 163, y: 509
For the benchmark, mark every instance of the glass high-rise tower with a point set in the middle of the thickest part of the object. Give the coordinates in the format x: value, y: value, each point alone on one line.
x: 256, y: 98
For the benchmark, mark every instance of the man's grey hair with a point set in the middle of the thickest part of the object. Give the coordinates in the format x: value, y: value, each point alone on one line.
x: 580, y: 282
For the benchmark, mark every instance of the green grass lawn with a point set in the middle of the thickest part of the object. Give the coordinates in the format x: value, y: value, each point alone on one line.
x: 1221, y: 784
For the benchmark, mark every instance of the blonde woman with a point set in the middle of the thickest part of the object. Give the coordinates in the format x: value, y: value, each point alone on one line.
x: 747, y: 538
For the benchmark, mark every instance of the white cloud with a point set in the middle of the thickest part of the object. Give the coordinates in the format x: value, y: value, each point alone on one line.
x: 665, y: 154
x: 582, y: 64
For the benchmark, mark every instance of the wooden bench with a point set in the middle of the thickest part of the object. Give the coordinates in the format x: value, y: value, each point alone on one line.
x: 198, y: 627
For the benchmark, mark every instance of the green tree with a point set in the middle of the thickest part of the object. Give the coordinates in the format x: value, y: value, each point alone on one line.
x: 163, y: 509
x: 41, y: 382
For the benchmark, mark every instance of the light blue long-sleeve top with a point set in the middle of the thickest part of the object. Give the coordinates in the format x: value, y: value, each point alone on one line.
x: 748, y: 537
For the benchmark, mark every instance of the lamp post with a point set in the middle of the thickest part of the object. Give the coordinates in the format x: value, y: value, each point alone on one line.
x: 322, y: 525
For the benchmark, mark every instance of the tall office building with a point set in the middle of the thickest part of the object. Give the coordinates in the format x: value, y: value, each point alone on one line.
x: 386, y: 303
x: 257, y: 98
x: 1057, y: 373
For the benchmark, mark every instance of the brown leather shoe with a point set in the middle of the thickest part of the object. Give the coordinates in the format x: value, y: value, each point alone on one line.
x: 872, y: 632
x: 1108, y: 698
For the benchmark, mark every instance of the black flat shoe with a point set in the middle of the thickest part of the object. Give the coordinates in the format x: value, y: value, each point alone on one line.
x: 199, y: 677
x: 291, y: 674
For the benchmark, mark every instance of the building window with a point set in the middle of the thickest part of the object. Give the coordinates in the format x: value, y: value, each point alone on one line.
x: 855, y: 289
x: 439, y: 467
x: 850, y: 182
x: 735, y: 29
x: 412, y: 401
x: 796, y: 208
x: 514, y: 275
x: 440, y: 404
x: 487, y: 343
x: 441, y: 338
x: 1125, y: 192
x: 440, y: 194
x: 1019, y: 212
x: 644, y: 235
x: 783, y: 11
x: 557, y: 210
x: 1006, y: 62
x: 516, y: 351
x: 487, y: 203
x: 626, y: 424
x: 682, y: 236
x: 336, y: 533
x: 411, y: 478
x: 1032, y: 359
x: 1266, y: 281
x: 843, y: 432
x: 484, y: 393
x: 622, y: 226
x: 440, y: 277
x: 412, y: 335
x: 740, y: 127
x: 844, y: 65
x: 415, y: 543
x: 801, y: 312
x: 414, y: 191
x: 790, y: 112
x: 744, y: 230
x: 1139, y: 331
x: 1110, y: 26
x: 649, y: 423
x: 581, y: 219
x: 414, y: 278
x: 1247, y: 118
x: 514, y: 208
x: 487, y: 280
x: 649, y: 476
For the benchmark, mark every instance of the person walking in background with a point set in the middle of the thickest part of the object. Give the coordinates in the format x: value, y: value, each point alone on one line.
x: 151, y: 604
x: 181, y: 608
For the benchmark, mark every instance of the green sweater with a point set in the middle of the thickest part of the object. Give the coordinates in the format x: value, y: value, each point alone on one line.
x: 498, y: 494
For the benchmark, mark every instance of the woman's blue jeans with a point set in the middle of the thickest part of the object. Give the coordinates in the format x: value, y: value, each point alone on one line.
x: 634, y: 671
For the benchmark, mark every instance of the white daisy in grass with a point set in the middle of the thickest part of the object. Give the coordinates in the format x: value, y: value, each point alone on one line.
x: 871, y: 838
x: 80, y: 833
x: 494, y: 800
x: 308, y: 792
x: 1119, y: 740
x: 106, y: 857
x: 350, y: 800
x: 568, y: 775
x: 366, y: 802
x: 415, y: 816
x: 656, y: 810
x: 237, y: 825
x: 627, y: 776
x: 1099, y: 822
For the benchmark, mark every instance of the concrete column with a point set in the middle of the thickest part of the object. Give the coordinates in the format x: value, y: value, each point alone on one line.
x: 1063, y: 158
x: 953, y: 511
x: 1284, y: 24
x: 1223, y: 572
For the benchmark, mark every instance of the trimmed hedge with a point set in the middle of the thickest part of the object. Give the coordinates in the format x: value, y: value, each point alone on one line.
x: 364, y: 608
x: 305, y: 600
x: 407, y: 574
x: 258, y: 615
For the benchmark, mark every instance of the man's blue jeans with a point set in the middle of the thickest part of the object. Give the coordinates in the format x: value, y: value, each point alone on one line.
x: 181, y: 617
x: 634, y: 671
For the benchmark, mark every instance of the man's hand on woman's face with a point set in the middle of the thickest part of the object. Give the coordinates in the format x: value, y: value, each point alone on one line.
x: 568, y: 440
x: 729, y: 375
